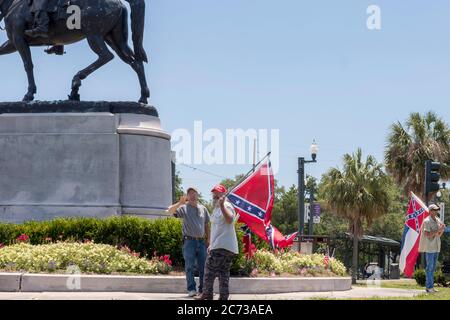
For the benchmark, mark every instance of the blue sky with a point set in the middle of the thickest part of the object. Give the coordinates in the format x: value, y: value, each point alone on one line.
x: 309, y: 68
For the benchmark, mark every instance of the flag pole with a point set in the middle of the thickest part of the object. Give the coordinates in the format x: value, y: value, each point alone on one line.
x: 248, y: 173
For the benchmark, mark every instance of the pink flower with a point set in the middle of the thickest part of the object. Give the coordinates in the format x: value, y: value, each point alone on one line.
x: 125, y: 248
x: 49, y: 239
x: 23, y: 238
x: 254, y: 273
x: 1, y: 245
x: 166, y: 259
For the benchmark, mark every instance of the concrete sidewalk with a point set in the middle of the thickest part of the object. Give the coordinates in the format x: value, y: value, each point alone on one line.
x: 355, y: 293
x: 27, y: 282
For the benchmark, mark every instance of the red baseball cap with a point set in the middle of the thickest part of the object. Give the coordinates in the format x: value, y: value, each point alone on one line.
x: 219, y: 188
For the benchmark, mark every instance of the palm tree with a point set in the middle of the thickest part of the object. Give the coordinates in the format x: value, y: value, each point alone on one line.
x: 358, y: 193
x: 422, y: 138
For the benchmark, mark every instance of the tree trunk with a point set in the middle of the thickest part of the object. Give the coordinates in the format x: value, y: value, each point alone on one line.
x: 355, y: 259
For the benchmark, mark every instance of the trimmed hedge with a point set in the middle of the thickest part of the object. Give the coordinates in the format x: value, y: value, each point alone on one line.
x: 162, y: 236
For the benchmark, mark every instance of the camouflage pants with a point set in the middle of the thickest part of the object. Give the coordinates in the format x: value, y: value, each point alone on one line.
x: 218, y: 264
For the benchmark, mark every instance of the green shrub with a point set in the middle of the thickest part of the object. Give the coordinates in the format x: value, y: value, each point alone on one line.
x: 141, y: 235
x: 439, y: 278
x: 420, y: 277
x: 162, y: 236
x: 87, y: 257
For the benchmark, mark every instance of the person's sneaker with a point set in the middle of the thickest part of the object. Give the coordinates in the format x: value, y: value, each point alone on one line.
x: 431, y: 291
x: 192, y: 293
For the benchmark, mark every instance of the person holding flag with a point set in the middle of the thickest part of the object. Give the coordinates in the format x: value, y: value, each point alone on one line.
x: 252, y: 199
x: 430, y: 244
x: 223, y: 247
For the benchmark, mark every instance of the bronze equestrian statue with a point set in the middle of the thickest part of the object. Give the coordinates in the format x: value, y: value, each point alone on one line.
x: 103, y: 23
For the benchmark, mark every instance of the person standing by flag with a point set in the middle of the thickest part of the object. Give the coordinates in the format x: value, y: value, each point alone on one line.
x: 223, y: 248
x: 196, y: 234
x: 430, y: 244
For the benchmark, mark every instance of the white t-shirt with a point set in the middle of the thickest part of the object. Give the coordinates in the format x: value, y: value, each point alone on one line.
x: 223, y: 234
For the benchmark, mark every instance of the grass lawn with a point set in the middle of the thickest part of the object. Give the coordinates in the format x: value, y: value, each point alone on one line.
x: 443, y: 294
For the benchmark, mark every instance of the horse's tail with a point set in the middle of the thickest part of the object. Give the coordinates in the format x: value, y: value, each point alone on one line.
x: 137, y: 28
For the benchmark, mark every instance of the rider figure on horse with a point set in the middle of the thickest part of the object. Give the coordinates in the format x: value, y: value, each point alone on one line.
x: 41, y: 19
x: 39, y: 8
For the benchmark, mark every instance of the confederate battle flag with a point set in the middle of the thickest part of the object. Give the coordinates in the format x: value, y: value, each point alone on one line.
x: 253, y: 200
x: 417, y: 212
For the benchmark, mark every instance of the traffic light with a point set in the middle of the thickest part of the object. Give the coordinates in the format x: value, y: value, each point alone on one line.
x: 432, y: 177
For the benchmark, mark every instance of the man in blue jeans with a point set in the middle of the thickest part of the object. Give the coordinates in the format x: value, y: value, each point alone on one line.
x: 196, y: 233
x: 430, y: 244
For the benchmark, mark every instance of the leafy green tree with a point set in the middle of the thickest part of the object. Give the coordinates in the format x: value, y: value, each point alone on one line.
x: 358, y: 194
x: 285, y: 210
x: 231, y: 183
x: 420, y: 139
x: 445, y: 248
x: 330, y: 224
x: 178, y: 186
x: 391, y: 225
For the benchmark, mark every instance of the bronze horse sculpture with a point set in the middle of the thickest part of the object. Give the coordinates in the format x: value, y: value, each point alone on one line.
x: 103, y: 23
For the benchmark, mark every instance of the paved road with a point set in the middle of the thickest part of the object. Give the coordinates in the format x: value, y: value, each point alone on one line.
x: 356, y: 292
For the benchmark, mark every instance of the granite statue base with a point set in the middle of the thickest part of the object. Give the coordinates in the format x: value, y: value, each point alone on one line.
x: 66, y: 159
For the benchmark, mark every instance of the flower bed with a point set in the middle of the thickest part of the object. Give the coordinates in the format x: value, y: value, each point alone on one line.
x: 85, y: 257
x: 266, y: 263
x: 143, y: 238
x: 139, y: 234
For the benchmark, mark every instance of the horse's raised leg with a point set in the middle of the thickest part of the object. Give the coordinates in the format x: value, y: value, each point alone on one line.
x: 24, y: 50
x: 98, y: 45
x: 7, y: 48
x: 126, y: 54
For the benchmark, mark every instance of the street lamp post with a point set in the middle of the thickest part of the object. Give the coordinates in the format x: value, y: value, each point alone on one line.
x: 301, y: 188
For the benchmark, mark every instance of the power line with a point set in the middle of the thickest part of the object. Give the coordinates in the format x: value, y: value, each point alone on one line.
x: 204, y: 171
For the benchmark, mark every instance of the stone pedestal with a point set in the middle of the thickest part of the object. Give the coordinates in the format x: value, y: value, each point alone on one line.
x: 82, y: 159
